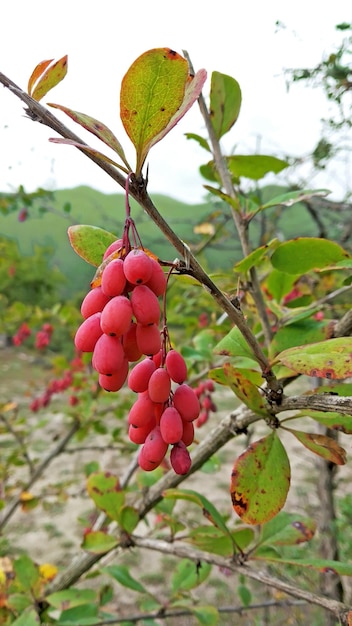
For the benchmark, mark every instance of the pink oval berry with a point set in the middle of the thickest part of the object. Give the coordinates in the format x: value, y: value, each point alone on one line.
x: 176, y: 366
x: 159, y: 385
x: 137, y: 267
x: 88, y: 333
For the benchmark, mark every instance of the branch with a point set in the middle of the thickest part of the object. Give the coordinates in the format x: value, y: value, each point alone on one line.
x: 338, y: 609
x: 138, y: 191
x: 233, y: 425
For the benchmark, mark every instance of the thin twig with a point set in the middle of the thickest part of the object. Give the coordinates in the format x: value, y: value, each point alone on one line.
x: 339, y: 609
x: 16, y: 435
x: 39, y: 470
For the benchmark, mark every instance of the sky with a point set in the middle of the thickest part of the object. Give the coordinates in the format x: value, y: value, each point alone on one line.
x: 102, y: 39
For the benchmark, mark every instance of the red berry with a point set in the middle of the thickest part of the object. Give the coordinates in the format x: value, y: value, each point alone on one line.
x: 142, y: 411
x: 145, y: 305
x: 88, y: 333
x: 148, y: 338
x: 176, y: 366
x: 129, y: 343
x: 116, y: 380
x: 114, y: 246
x: 140, y: 375
x: 137, y: 267
x: 94, y: 302
x: 138, y: 434
x: 159, y: 385
x: 157, y: 282
x: 171, y: 425
x: 154, y: 448
x: 180, y: 458
x: 188, y: 433
x: 108, y: 355
x: 113, y: 280
x: 186, y: 402
x: 116, y: 316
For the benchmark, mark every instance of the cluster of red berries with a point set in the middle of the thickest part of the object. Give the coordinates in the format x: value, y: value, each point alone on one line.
x: 207, y: 406
x: 55, y: 386
x: 22, y: 334
x: 121, y: 325
x: 162, y: 415
x: 43, y: 336
x: 122, y: 314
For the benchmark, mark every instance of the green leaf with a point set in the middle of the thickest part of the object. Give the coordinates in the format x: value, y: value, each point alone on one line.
x: 90, y: 242
x: 327, y: 359
x: 324, y: 566
x: 260, y: 480
x: 105, y: 491
x: 129, y: 518
x: 288, y: 529
x: 202, y: 142
x: 97, y: 128
x: 29, y: 617
x: 292, y: 197
x: 234, y: 344
x: 206, y: 615
x: 212, y: 539
x: 241, y: 383
x: 304, y: 254
x: 209, y: 510
x: 189, y: 575
x: 69, y: 598
x: 279, y: 284
x: 84, y: 615
x: 290, y: 336
x: 123, y: 576
x: 244, y: 595
x: 152, y: 92
x: 52, y: 75
x: 336, y: 421
x: 98, y: 542
x: 323, y: 446
x: 255, y: 258
x: 225, y: 102
x: 254, y: 166
x: 26, y: 572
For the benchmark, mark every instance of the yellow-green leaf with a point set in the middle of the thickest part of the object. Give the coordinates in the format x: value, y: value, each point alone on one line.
x: 152, y: 91
x: 52, y: 75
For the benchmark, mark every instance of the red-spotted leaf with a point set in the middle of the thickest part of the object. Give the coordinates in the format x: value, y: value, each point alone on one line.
x: 152, y: 92
x: 287, y: 529
x: 225, y: 102
x: 304, y: 254
x: 98, y: 542
x: 96, y: 128
x: 260, y: 480
x: 37, y: 72
x: 105, y: 491
x: 244, y: 383
x: 90, y: 242
x: 326, y: 359
x: 52, y: 75
x: 323, y: 446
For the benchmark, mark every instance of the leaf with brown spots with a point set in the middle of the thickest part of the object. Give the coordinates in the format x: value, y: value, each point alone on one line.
x: 156, y: 92
x: 326, y: 359
x: 260, y: 480
x: 287, y: 529
x: 323, y: 446
x: 90, y: 242
x: 105, y: 491
x: 240, y: 381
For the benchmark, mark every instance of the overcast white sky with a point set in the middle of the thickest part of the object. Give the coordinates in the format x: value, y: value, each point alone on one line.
x: 102, y: 38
